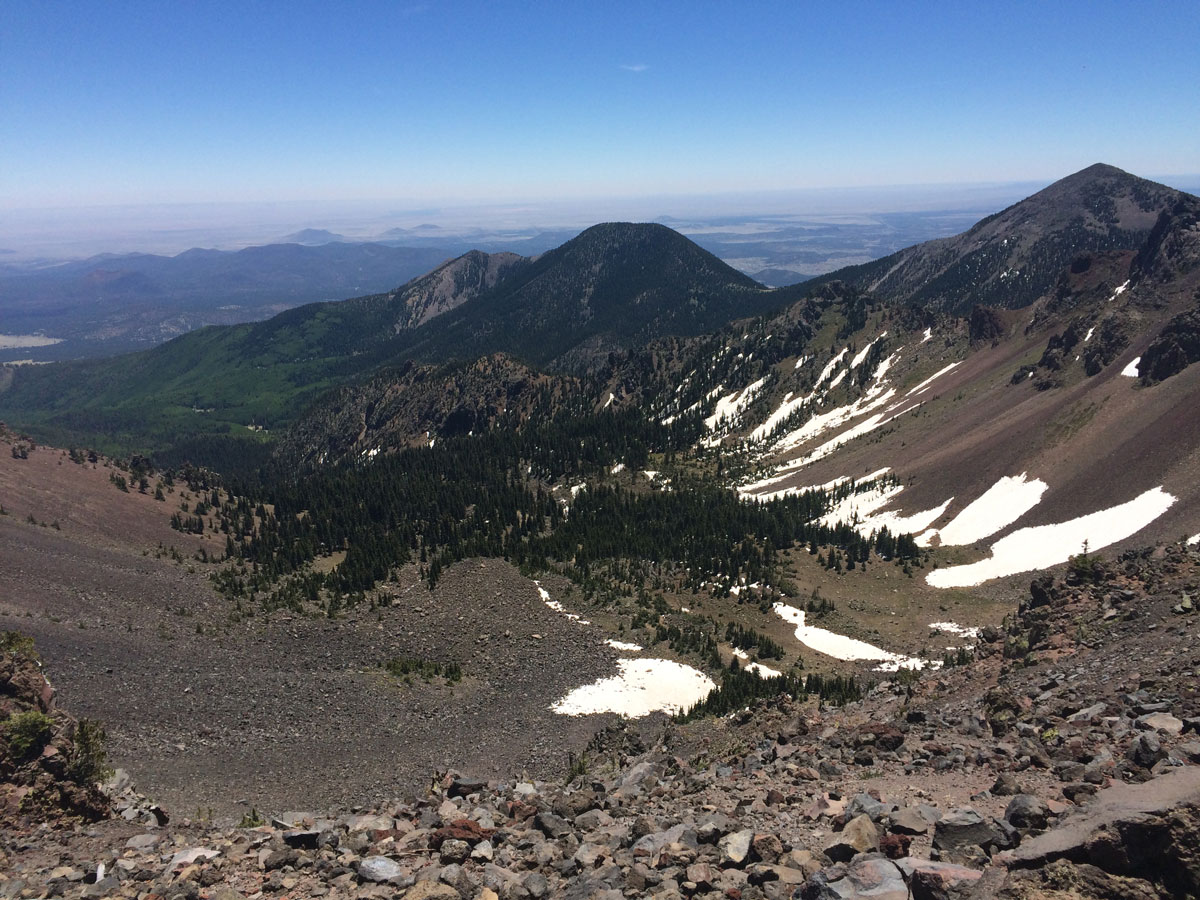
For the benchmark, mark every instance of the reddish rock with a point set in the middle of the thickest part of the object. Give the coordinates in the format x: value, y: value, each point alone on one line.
x: 461, y: 830
x: 895, y: 846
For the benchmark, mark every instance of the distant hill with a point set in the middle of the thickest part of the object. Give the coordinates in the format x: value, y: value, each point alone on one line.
x: 114, y: 303
x: 313, y: 237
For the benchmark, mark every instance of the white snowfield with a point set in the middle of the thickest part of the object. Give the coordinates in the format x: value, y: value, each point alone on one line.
x: 1193, y: 540
x: 642, y: 687
x: 841, y: 647
x: 999, y: 506
x: 1043, y: 546
x: 1131, y: 370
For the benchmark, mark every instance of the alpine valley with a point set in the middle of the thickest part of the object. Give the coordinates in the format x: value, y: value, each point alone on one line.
x: 613, y: 572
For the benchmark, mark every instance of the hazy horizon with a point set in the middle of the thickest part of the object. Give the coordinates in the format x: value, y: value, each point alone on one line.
x: 172, y: 228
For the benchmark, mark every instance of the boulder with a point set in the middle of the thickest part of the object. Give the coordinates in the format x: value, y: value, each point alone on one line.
x: 1146, y: 750
x: 1160, y: 721
x: 1143, y: 830
x: 962, y: 828
x: 929, y: 880
x: 380, y: 869
x: 859, y: 836
x: 766, y: 848
x: 868, y: 876
x: 1027, y: 812
x: 735, y: 848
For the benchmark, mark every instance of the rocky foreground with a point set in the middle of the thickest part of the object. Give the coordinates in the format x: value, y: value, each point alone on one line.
x: 1061, y: 762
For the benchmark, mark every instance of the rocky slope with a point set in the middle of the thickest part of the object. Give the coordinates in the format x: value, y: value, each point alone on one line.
x: 416, y: 404
x: 1061, y: 763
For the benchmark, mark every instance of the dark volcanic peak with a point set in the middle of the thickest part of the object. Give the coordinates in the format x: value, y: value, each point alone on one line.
x: 615, y: 285
x: 1013, y: 258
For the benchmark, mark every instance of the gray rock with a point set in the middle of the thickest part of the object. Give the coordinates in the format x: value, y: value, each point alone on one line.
x: 536, y: 885
x: 454, y: 851
x: 142, y: 841
x: 1146, y: 750
x: 277, y: 859
x: 865, y: 804
x: 909, y: 821
x: 463, y: 787
x: 380, y: 869
x: 593, y: 819
x: 964, y: 827
x: 1094, y: 711
x: 1145, y: 830
x: 1027, y: 812
x: 551, y: 824
x: 107, y: 886
x: 735, y: 848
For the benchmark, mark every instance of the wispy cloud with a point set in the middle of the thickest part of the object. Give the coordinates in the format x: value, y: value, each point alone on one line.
x: 635, y: 67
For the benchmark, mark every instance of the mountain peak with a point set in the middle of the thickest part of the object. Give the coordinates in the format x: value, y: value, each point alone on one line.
x: 614, y: 285
x: 1014, y: 257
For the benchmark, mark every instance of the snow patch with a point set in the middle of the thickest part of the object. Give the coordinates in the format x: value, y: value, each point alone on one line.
x: 830, y: 366
x: 732, y: 405
x: 927, y: 335
x: 758, y: 668
x: 1193, y: 540
x: 955, y: 629
x: 558, y: 607
x: 1048, y: 545
x: 624, y: 646
x: 920, y: 388
x: 841, y: 647
x: 618, y: 468
x: 642, y: 687
x: 997, y: 507
x: 862, y: 354
x: 1131, y: 370
x: 1087, y: 337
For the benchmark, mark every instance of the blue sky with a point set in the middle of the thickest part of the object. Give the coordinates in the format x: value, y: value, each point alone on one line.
x: 465, y: 102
